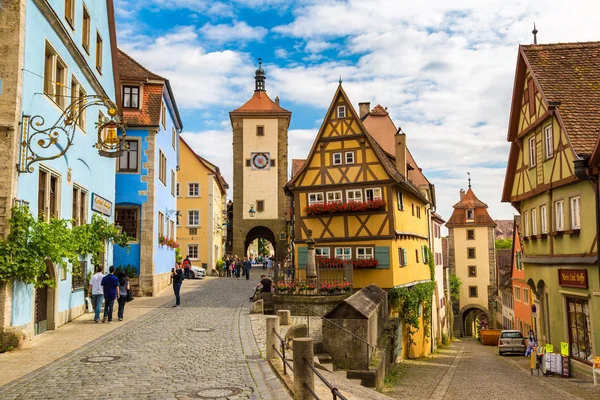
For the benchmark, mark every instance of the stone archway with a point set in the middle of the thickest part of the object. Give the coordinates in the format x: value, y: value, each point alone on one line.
x: 259, y: 232
x: 467, y: 316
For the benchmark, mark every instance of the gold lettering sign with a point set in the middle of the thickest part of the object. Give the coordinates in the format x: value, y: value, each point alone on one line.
x: 576, y: 278
x: 101, y: 205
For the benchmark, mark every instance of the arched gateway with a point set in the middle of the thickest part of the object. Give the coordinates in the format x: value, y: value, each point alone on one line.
x: 260, y: 155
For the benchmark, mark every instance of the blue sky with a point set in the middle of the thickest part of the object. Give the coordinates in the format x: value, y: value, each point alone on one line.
x: 444, y: 69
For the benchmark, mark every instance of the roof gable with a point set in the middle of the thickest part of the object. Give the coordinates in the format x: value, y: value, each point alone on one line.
x: 260, y: 103
x: 470, y: 202
x: 223, y: 185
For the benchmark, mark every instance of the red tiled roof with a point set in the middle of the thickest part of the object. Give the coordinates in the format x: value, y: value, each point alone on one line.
x: 470, y: 201
x: 570, y: 73
x: 260, y: 103
x: 379, y: 111
x: 297, y: 165
x: 504, y: 228
x: 131, y: 69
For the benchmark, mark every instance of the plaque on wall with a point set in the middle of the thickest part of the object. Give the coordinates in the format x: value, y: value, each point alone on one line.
x: 575, y: 278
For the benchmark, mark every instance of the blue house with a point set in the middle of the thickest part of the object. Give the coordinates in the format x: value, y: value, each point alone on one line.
x: 69, y: 54
x: 146, y: 202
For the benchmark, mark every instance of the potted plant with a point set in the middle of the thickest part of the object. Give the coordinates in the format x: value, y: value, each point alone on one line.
x: 221, y: 267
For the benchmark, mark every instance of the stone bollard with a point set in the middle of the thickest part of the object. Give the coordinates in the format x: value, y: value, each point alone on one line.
x: 285, y: 317
x: 303, y: 374
x: 272, y: 339
x: 258, y: 307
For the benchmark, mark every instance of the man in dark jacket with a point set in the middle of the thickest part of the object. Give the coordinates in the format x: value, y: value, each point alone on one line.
x: 247, y: 266
x: 110, y: 284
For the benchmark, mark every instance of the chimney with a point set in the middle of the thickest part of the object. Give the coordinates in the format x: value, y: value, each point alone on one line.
x: 462, y: 194
x: 277, y: 100
x: 364, y: 108
x: 400, y: 141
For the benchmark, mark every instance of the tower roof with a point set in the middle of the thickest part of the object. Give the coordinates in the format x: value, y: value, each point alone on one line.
x: 469, y: 201
x: 260, y: 103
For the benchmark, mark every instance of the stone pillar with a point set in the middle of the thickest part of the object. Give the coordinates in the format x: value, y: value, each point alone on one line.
x: 311, y: 267
x: 285, y: 317
x: 272, y: 339
x: 148, y: 215
x: 303, y: 375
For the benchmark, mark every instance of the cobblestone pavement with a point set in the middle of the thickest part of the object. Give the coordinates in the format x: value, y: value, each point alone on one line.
x: 205, y: 349
x: 468, y: 370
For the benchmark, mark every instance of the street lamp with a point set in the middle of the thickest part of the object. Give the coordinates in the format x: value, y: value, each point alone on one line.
x: 252, y: 212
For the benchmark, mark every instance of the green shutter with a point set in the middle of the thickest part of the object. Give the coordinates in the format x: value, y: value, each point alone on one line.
x: 302, y: 256
x: 382, y: 254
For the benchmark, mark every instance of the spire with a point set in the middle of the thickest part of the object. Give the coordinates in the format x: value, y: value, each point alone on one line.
x: 340, y: 80
x: 469, y: 174
x: 534, y: 31
x: 259, y: 78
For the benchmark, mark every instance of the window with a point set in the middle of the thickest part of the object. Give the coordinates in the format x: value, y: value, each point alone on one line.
x: 418, y: 212
x: 559, y: 208
x: 354, y: 195
x: 322, y: 252
x: 248, y: 162
x: 413, y: 208
x: 260, y: 205
x: 402, y: 256
x: 534, y: 221
x: 580, y: 335
x: 193, y: 190
x: 78, y: 94
x: 349, y: 157
x: 471, y: 252
x: 343, y: 253
x: 525, y: 295
x: 161, y: 224
x: 272, y: 162
x: 128, y: 162
x: 364, y: 253
x: 192, y: 251
x: 78, y: 279
x: 400, y: 199
x: 575, y: 212
x: 518, y: 260
x: 472, y: 271
x: 373, y: 194
x: 79, y: 214
x: 315, y: 198
x: 172, y: 183
x: 85, y: 30
x: 470, y: 215
x: 334, y: 197
x: 171, y: 228
x: 70, y: 12
x: 162, y: 167
x: 127, y: 219
x: 544, y: 219
x: 131, y: 97
x: 532, y: 151
x: 470, y: 234
x: 517, y: 293
x: 337, y: 159
x: 260, y: 131
x: 473, y: 291
x: 163, y: 116
x: 526, y: 223
x: 48, y: 195
x: 341, y: 112
x: 548, y: 142
x: 173, y: 138
x: 98, y: 52
x: 193, y: 218
x: 424, y: 254
x: 177, y: 192
x: 417, y: 255
x: 55, y: 77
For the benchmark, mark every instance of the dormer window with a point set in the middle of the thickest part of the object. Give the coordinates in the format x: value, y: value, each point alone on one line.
x: 341, y: 112
x: 470, y: 215
x: 131, y: 97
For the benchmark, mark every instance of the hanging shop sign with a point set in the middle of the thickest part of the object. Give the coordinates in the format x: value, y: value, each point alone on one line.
x: 101, y: 205
x: 575, y: 278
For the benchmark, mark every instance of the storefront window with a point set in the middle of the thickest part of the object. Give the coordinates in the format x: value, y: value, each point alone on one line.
x: 578, y: 315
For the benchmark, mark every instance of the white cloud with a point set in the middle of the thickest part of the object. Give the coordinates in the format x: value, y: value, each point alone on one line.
x: 238, y: 31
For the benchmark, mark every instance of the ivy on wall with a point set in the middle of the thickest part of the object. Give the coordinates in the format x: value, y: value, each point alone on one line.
x: 32, y: 243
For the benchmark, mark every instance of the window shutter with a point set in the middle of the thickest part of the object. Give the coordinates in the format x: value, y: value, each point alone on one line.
x: 302, y: 257
x: 382, y: 254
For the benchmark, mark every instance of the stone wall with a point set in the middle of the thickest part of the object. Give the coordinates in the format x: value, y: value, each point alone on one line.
x: 148, y: 239
x: 345, y: 351
x: 319, y: 304
x: 492, y: 289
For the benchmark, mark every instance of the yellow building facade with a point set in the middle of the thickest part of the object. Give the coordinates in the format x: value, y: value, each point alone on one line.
x: 345, y: 167
x: 201, y: 202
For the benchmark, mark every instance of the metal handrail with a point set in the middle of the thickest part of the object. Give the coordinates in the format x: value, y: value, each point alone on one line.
x: 334, y: 391
x: 281, y: 355
x: 342, y: 328
x: 283, y: 343
x: 285, y: 360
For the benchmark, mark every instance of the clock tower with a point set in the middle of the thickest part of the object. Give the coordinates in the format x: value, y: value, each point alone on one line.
x: 260, y: 165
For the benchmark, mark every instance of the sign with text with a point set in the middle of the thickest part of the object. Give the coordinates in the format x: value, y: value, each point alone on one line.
x: 575, y: 278
x: 101, y: 205
x: 564, y: 348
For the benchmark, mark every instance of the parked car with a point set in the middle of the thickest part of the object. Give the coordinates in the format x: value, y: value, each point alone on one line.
x: 511, y: 341
x: 197, y: 272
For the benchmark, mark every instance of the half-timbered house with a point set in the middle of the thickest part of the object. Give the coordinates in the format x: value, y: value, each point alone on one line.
x: 554, y: 121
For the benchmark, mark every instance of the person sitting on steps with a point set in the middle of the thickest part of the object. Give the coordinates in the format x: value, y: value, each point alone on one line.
x: 264, y: 286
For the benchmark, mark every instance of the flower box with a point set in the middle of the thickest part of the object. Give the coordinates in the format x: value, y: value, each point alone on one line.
x: 165, y: 241
x: 332, y: 263
x: 352, y: 206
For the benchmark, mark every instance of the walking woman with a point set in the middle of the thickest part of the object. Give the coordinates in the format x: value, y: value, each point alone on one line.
x: 177, y: 278
x: 123, y: 289
x: 238, y: 267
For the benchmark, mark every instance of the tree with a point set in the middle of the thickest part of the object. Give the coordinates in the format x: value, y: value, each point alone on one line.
x: 503, y: 244
x: 455, y: 284
x: 262, y: 247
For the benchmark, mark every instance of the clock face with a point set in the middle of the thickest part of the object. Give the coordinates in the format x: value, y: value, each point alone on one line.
x: 260, y: 160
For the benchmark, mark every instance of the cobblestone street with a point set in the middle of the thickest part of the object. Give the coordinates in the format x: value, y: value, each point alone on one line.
x: 468, y: 370
x: 205, y: 349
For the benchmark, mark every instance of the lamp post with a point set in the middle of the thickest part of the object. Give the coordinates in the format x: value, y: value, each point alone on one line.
x: 252, y: 212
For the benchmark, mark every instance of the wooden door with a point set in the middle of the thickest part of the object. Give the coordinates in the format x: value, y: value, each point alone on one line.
x: 41, y: 310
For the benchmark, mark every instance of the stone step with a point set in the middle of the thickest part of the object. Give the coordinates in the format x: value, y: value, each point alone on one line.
x: 323, y: 358
x: 324, y: 366
x: 318, y: 346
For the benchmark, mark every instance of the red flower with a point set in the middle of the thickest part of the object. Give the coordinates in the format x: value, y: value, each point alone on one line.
x: 352, y: 206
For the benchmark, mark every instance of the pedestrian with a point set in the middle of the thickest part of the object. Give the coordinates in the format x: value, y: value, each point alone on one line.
x: 264, y: 286
x: 123, y: 289
x: 177, y: 277
x: 270, y: 266
x: 110, y: 284
x: 247, y: 267
x: 238, y: 267
x: 96, y: 292
x: 228, y: 266
x: 187, y: 264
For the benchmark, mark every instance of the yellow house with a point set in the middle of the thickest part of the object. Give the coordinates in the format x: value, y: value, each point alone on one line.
x: 346, y: 167
x: 201, y: 201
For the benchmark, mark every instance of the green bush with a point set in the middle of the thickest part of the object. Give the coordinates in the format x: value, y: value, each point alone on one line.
x: 220, y: 264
